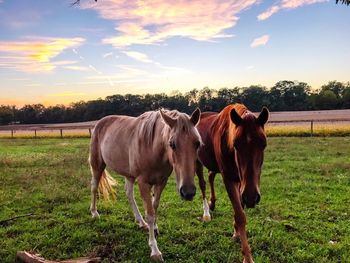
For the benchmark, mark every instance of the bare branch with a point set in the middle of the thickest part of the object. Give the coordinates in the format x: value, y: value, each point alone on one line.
x: 77, y: 2
x: 345, y: 2
x: 15, y: 217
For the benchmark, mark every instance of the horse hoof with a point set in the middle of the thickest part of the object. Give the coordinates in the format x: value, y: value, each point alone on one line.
x: 158, y: 258
x: 248, y: 260
x: 235, y: 237
x: 206, y: 218
x: 95, y: 215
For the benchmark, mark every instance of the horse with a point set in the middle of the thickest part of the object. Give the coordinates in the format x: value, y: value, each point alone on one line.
x: 145, y: 149
x: 234, y: 141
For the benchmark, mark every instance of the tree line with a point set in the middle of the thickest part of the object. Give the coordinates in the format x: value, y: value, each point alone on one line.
x: 283, y: 96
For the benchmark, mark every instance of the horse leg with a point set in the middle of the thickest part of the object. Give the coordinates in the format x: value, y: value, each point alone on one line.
x: 157, y: 191
x: 95, y: 180
x: 232, y: 189
x: 145, y: 191
x: 199, y: 171
x: 212, y: 190
x: 129, y: 189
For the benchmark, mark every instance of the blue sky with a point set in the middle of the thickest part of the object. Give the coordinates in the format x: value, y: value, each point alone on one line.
x: 51, y: 53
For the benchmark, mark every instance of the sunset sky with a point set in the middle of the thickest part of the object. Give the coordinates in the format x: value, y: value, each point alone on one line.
x: 52, y: 53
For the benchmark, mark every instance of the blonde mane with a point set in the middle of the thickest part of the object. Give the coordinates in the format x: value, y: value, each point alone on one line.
x: 150, y: 119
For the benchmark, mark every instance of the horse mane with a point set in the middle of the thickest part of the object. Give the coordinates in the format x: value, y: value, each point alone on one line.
x: 226, y: 127
x: 150, y: 120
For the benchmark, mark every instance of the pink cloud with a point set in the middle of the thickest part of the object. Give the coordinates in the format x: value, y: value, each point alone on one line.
x: 152, y: 22
x: 286, y: 4
x: 260, y: 41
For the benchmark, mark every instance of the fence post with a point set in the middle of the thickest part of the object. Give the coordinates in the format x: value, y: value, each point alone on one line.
x: 61, y: 132
x: 35, y: 133
x: 11, y: 133
x: 312, y: 128
x: 90, y: 132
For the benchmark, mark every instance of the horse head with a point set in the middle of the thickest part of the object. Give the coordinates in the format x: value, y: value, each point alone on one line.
x: 249, y: 145
x: 183, y: 141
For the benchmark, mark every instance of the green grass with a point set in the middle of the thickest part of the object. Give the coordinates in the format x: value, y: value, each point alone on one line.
x: 304, y: 215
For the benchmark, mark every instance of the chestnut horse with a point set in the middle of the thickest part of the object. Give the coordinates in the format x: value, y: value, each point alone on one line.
x: 233, y: 145
x: 146, y: 149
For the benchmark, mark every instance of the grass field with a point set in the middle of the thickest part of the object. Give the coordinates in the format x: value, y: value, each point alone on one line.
x: 304, y: 214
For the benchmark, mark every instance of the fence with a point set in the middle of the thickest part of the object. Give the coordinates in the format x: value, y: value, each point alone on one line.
x: 47, y: 130
x: 85, y: 129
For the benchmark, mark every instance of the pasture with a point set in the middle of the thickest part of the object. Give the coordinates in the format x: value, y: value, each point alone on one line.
x: 304, y: 214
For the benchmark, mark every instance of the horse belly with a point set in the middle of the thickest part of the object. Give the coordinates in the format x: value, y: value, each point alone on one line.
x: 207, y: 158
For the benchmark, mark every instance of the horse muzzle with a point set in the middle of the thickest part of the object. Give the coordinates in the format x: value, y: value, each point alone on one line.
x: 187, y: 192
x: 250, y: 202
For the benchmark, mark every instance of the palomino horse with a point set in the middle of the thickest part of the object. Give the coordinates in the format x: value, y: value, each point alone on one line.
x: 233, y: 145
x: 146, y: 149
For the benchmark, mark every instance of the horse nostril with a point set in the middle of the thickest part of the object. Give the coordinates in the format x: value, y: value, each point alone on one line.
x: 182, y: 192
x: 188, y: 193
x: 257, y: 200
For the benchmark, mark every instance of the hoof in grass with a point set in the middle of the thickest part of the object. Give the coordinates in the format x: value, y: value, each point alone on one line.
x: 235, y: 237
x: 95, y: 215
x: 158, y: 258
x: 206, y: 218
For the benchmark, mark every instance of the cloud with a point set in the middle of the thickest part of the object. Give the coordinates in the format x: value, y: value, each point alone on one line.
x: 260, y: 41
x: 152, y: 22
x: 269, y: 12
x: 286, y: 4
x: 35, y: 55
x: 138, y: 56
x: 77, y: 68
x: 109, y: 54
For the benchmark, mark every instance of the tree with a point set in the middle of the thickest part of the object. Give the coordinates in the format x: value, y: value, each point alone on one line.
x: 54, y: 114
x: 255, y: 97
x: 7, y: 114
x: 335, y: 86
x: 31, y: 113
x: 289, y: 95
x: 346, y: 98
x: 326, y: 100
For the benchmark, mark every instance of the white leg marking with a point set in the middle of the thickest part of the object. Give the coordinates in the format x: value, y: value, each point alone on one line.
x: 206, y: 213
x: 93, y: 208
x: 155, y: 253
x: 129, y: 188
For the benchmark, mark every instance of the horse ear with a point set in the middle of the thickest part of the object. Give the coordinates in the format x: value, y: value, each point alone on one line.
x: 195, y: 116
x: 171, y: 122
x: 263, y: 116
x: 235, y: 118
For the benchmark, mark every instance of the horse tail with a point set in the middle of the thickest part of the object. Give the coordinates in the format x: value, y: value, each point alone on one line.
x: 106, y: 187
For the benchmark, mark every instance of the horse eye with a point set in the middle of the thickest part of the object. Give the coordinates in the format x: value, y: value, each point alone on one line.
x: 172, y: 145
x: 197, y: 144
